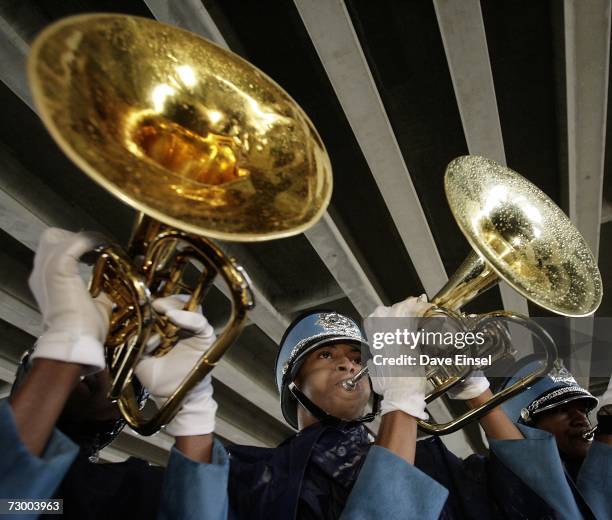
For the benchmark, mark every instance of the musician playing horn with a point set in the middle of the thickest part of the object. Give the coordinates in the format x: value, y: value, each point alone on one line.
x: 37, y: 456
x: 333, y: 468
x: 67, y: 381
x: 330, y: 468
x: 562, y: 458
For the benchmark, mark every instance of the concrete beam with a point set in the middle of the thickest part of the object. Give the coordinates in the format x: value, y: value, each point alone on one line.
x: 13, y: 57
x: 5, y: 390
x: 8, y: 369
x: 606, y: 212
x: 188, y: 14
x: 141, y: 448
x: 465, y: 44
x: 337, y: 256
x: 334, y: 38
x: 587, y: 57
x: 111, y: 454
x: 19, y: 314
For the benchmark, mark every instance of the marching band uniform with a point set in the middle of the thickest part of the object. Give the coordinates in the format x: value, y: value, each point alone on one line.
x: 310, y: 472
x: 536, y: 459
x: 192, y: 489
x: 75, y: 328
x: 101, y: 490
x: 328, y: 469
x: 23, y: 475
x: 325, y: 470
x: 479, y: 487
x: 313, y: 473
x: 595, y: 476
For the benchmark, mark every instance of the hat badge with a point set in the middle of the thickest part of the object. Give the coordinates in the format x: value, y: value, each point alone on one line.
x: 560, y: 374
x: 334, y: 322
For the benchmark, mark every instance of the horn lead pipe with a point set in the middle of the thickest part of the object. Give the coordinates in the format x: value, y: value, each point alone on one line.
x: 589, y: 435
x: 350, y: 383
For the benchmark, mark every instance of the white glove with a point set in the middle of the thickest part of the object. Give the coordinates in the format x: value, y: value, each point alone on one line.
x: 474, y: 385
x: 161, y: 376
x: 75, y: 324
x: 401, y: 387
x: 411, y: 307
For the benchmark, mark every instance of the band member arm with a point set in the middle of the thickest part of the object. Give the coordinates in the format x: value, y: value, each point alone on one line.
x: 194, y: 489
x: 389, y: 487
x: 536, y: 461
x: 595, y: 479
x: 25, y: 476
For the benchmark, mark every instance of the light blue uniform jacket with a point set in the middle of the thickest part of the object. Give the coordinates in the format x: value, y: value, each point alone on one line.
x: 190, y: 489
x: 387, y: 486
x: 537, y: 462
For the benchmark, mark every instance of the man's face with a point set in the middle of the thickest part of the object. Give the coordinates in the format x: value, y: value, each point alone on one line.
x: 320, y: 379
x: 568, y: 423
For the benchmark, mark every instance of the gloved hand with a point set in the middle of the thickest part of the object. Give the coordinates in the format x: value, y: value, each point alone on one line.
x: 474, y: 385
x: 411, y: 307
x: 75, y: 324
x: 161, y: 376
x: 402, y: 388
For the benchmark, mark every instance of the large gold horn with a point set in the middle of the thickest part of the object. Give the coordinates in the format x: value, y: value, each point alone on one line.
x: 519, y: 235
x: 196, y: 139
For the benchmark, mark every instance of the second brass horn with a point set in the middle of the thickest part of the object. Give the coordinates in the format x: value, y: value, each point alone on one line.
x: 198, y: 141
x: 518, y: 235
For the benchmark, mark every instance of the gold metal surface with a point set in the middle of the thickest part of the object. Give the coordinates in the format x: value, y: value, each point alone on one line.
x: 163, y: 273
x: 197, y: 140
x: 523, y: 236
x: 179, y: 128
x: 454, y: 375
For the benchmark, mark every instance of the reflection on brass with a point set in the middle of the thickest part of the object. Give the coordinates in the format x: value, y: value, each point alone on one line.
x: 209, y: 160
x: 589, y: 435
x: 198, y: 141
x: 520, y: 236
x: 179, y: 128
x: 523, y: 236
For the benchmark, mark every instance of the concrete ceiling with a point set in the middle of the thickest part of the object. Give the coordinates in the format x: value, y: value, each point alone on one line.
x: 396, y: 89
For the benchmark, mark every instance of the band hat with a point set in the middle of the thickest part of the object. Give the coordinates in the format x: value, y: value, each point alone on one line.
x: 555, y: 389
x: 306, y: 334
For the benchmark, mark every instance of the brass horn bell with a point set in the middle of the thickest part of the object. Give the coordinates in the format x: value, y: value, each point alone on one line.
x: 197, y: 140
x: 519, y: 235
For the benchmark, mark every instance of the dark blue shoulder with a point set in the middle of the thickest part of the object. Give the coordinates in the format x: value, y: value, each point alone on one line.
x: 249, y: 453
